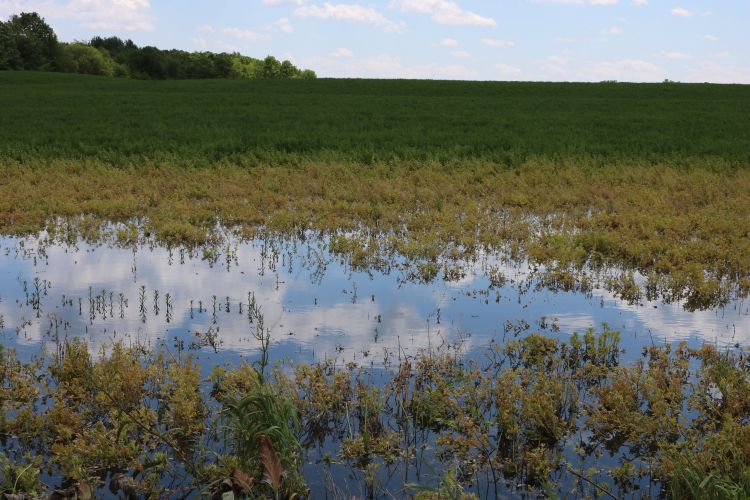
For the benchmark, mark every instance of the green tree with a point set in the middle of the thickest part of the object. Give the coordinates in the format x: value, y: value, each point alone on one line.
x: 27, y: 42
x: 288, y: 70
x: 271, y: 67
x: 8, y: 52
x: 307, y: 74
x: 88, y: 60
x: 244, y: 67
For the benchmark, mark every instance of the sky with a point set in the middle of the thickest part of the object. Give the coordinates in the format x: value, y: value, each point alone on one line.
x: 540, y: 40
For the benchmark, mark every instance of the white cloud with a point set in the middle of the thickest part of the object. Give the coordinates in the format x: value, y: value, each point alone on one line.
x: 284, y: 25
x: 713, y: 71
x: 207, y: 28
x: 113, y: 14
x: 449, y: 42
x: 612, y: 31
x: 341, y: 52
x: 493, y: 42
x: 676, y: 56
x: 226, y: 47
x: 711, y: 38
x: 444, y: 12
x: 555, y: 70
x: 349, y: 12
x: 126, y: 15
x: 558, y: 60
x: 245, y: 34
x: 722, y: 55
x: 7, y: 8
x: 281, y: 2
x: 640, y: 2
x: 200, y: 42
x: 627, y: 70
x: 579, y: 2
x: 386, y: 66
x: 460, y: 54
x: 681, y: 12
x: 507, y: 70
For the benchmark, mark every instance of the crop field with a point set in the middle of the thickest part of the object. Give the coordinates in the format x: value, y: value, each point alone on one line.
x: 373, y: 289
x: 48, y: 117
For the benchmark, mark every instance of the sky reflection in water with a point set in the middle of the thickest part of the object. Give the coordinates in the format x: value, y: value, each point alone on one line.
x: 315, y: 305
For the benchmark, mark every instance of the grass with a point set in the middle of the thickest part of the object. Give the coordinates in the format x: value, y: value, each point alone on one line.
x: 574, y: 177
x: 74, y: 117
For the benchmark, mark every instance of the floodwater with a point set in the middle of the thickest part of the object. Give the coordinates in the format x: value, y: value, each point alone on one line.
x: 316, y: 306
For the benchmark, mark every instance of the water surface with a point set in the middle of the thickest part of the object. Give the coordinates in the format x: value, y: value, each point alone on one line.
x: 316, y: 305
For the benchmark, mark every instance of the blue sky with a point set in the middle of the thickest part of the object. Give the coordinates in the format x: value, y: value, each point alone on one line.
x: 573, y: 40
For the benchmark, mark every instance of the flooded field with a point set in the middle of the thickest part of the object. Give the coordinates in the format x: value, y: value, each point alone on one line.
x: 373, y: 289
x: 315, y: 305
x: 364, y: 354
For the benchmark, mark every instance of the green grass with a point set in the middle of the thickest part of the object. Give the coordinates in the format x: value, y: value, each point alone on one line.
x: 117, y: 121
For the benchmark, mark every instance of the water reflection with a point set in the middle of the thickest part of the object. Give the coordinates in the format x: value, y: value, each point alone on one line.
x: 316, y: 306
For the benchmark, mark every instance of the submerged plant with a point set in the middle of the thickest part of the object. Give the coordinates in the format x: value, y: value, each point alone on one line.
x: 517, y: 423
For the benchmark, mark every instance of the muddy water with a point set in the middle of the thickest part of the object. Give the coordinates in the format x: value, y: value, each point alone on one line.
x: 316, y: 306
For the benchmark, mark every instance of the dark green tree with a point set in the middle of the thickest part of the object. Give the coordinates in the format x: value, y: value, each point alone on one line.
x: 271, y: 67
x: 27, y: 42
x: 119, y: 49
x: 8, y: 52
x: 288, y: 70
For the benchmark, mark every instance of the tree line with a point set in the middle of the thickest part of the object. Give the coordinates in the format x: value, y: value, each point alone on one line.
x: 27, y: 42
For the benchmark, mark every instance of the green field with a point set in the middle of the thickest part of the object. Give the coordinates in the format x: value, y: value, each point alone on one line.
x: 118, y: 121
x: 605, y: 177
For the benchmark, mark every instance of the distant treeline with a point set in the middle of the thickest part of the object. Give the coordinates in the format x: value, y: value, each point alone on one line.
x: 27, y: 42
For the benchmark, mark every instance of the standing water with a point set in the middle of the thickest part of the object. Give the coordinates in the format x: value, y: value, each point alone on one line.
x: 317, y: 309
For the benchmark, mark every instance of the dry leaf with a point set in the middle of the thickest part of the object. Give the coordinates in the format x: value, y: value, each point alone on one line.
x: 271, y: 462
x: 240, y: 481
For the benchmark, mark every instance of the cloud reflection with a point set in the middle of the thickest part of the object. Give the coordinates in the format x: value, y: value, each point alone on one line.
x: 352, y: 316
